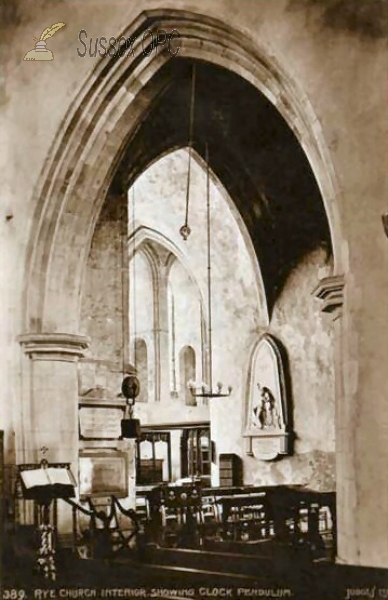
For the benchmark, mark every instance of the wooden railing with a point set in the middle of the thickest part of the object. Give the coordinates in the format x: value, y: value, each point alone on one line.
x: 105, y: 534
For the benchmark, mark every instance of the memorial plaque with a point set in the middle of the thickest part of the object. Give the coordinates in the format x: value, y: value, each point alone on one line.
x: 266, y: 447
x: 100, y: 422
x: 103, y: 474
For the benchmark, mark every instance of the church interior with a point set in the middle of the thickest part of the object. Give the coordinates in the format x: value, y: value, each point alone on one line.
x: 193, y: 326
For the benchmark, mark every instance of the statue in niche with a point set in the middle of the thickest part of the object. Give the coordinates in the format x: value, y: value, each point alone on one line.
x: 268, y: 428
x: 266, y: 414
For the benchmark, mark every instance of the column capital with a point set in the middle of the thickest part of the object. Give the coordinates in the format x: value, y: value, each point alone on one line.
x: 54, y: 346
x: 330, y: 291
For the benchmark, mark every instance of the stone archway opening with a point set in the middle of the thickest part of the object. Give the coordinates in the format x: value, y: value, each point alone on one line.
x: 117, y: 101
x: 254, y: 154
x: 268, y: 154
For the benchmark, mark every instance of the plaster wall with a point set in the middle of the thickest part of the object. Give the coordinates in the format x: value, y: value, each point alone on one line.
x: 187, y: 325
x: 297, y: 321
x: 307, y: 336
x: 160, y: 198
x: 160, y: 207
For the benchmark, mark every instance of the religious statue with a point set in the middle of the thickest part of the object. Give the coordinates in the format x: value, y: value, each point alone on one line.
x: 266, y: 413
x: 268, y: 429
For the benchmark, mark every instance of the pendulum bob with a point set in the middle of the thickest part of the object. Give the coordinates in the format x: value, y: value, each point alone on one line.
x: 130, y: 428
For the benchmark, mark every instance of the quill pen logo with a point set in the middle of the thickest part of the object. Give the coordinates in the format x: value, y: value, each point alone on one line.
x: 41, y: 52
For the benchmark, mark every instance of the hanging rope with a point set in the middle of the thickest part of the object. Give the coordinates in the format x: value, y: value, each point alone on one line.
x: 185, y: 230
x: 173, y: 362
x: 209, y: 269
x: 124, y: 292
x: 134, y: 276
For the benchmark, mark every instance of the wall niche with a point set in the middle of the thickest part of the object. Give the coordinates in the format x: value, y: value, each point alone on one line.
x: 268, y: 422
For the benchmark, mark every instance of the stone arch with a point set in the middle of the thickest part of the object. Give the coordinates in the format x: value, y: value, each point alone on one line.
x: 160, y: 254
x: 139, y: 240
x: 142, y: 233
x: 83, y: 160
x: 87, y: 150
x: 144, y: 344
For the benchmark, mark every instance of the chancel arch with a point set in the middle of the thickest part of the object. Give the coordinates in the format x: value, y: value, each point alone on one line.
x: 105, y: 143
x: 72, y: 162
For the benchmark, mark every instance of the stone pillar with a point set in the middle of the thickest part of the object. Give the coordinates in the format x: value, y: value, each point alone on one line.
x: 331, y: 293
x: 50, y: 407
x: 162, y: 353
x: 53, y: 384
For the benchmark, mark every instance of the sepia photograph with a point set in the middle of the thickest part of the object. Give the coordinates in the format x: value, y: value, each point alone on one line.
x: 194, y: 299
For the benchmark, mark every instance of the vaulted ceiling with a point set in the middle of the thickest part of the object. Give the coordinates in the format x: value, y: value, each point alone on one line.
x: 252, y: 151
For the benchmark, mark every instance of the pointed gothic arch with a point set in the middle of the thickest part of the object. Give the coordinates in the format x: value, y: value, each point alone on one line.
x: 87, y: 151
x: 84, y: 157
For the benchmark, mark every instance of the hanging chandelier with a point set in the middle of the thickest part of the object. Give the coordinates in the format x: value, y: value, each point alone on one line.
x: 204, y: 390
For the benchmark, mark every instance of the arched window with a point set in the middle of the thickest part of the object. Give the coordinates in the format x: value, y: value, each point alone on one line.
x: 185, y: 332
x: 187, y: 369
x: 141, y: 361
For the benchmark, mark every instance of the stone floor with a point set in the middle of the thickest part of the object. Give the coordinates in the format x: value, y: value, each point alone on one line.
x: 218, y: 577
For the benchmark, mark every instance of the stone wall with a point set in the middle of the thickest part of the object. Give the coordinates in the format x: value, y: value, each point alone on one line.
x: 238, y: 321
x: 103, y: 301
x: 307, y: 336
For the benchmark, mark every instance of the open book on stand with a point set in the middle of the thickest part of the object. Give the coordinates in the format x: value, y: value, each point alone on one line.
x: 47, y: 482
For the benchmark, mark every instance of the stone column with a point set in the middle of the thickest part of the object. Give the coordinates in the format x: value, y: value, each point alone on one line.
x: 331, y: 293
x: 162, y: 354
x: 50, y: 401
x: 53, y: 384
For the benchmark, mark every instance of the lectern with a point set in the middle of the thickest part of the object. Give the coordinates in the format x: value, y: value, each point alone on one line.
x: 46, y: 483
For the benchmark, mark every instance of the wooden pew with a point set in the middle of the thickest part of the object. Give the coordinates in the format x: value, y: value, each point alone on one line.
x: 287, y: 516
